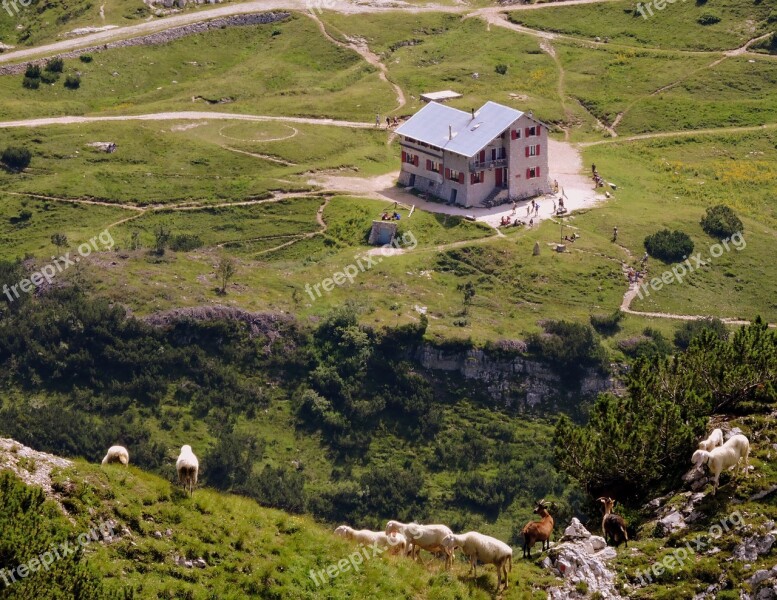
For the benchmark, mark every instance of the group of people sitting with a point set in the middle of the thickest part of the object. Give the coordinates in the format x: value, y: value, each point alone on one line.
x: 390, y: 217
x: 505, y: 221
x: 597, y: 178
x: 571, y: 238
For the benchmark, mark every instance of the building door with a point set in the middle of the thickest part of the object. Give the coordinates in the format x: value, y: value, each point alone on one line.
x: 498, y: 175
x: 412, y: 180
x: 454, y: 193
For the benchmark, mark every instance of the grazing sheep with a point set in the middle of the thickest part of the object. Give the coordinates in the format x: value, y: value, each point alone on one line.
x: 487, y: 550
x: 395, y: 541
x: 723, y: 457
x: 423, y: 537
x: 538, y: 531
x: 613, y: 525
x: 715, y: 440
x: 116, y: 454
x: 188, y: 467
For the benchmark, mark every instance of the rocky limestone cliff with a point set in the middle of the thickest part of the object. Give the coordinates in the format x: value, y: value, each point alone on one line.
x: 516, y: 381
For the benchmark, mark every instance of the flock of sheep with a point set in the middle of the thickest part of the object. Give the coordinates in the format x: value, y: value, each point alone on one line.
x: 187, y: 465
x: 408, y: 539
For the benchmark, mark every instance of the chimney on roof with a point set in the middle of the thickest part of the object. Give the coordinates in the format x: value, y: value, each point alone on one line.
x: 450, y: 132
x: 473, y: 113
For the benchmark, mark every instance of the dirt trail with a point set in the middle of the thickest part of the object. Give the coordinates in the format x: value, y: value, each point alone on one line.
x: 681, y: 133
x: 361, y: 48
x: 182, y: 116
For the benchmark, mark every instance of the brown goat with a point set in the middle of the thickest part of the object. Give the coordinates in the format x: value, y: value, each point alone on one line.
x: 538, y: 531
x: 613, y: 525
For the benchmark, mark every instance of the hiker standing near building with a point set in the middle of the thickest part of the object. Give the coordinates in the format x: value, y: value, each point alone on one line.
x: 377, y: 120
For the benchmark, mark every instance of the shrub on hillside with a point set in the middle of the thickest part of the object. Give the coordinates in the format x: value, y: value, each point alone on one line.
x: 607, y: 324
x: 16, y: 158
x: 185, y: 242
x: 33, y: 71
x: 651, y: 344
x: 55, y: 65
x: 85, y: 58
x: 669, y: 246
x: 570, y: 346
x: 72, y: 82
x: 720, y: 221
x: 31, y: 83
x: 708, y: 19
x: 690, y: 330
x: 501, y: 69
x: 49, y: 77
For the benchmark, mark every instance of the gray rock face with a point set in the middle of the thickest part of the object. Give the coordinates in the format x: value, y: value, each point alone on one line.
x: 581, y: 556
x: 527, y: 380
x: 674, y: 521
x: 753, y: 547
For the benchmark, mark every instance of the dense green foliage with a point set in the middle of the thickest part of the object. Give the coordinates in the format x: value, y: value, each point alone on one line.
x: 639, y: 444
x: 607, y: 324
x: 30, y: 526
x: 16, y: 158
x: 571, y: 346
x: 720, y: 221
x: 669, y: 246
x: 72, y: 82
x: 55, y: 65
x: 691, y: 329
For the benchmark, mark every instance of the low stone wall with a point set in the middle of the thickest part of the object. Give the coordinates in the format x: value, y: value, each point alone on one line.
x: 161, y: 37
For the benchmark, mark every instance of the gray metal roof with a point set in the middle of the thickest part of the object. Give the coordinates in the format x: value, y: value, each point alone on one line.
x: 431, y: 125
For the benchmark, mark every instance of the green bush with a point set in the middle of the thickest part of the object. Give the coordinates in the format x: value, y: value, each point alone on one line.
x: 570, y: 346
x: 85, y: 58
x: 721, y: 222
x: 31, y: 83
x: 607, y: 324
x: 651, y: 344
x: 690, y: 330
x: 55, y: 65
x: 708, y: 19
x: 49, y: 77
x: 33, y: 71
x: 16, y: 158
x: 185, y: 242
x: 72, y: 82
x: 669, y: 246
x: 501, y: 69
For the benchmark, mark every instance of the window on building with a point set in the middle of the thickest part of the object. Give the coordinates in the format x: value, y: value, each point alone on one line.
x: 432, y: 166
x: 532, y: 172
x: 477, y: 177
x: 454, y: 176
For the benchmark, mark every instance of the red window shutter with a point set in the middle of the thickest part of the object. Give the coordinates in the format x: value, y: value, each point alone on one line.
x: 538, y: 149
x: 513, y: 134
x: 447, y: 173
x: 528, y: 173
x: 537, y: 170
x: 404, y: 156
x: 415, y: 158
x: 482, y: 156
x: 428, y: 165
x: 539, y: 129
x: 527, y: 132
x: 461, y: 177
x: 440, y: 168
x: 527, y: 152
x: 471, y: 178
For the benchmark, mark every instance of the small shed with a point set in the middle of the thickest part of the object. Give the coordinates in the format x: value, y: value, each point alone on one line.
x: 383, y: 233
x: 440, y: 96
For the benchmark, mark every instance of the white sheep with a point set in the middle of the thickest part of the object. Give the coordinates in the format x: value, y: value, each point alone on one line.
x: 487, y: 550
x: 116, y: 454
x: 188, y: 467
x: 423, y: 537
x: 723, y: 457
x: 395, y: 542
x: 713, y: 441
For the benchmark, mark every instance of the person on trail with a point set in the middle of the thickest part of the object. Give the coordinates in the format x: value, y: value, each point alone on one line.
x: 531, y: 222
x: 514, y: 206
x: 593, y: 169
x: 377, y: 120
x: 388, y: 122
x: 528, y: 209
x: 614, y: 234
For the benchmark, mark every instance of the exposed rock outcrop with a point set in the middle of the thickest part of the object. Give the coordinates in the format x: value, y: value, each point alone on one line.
x: 581, y: 557
x: 516, y: 380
